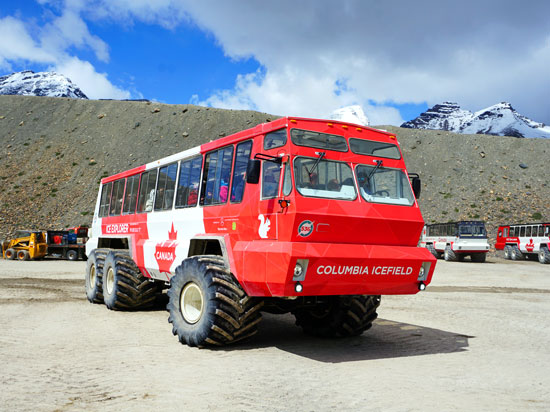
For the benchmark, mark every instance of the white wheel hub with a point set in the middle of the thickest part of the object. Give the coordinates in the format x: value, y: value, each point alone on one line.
x: 191, y: 303
x: 110, y: 281
x: 91, y: 280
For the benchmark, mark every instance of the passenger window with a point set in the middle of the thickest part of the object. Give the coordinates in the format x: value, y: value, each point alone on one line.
x: 188, y: 182
x: 147, y: 191
x: 522, y: 231
x: 287, y: 181
x: 239, y: 170
x: 217, y: 172
x: 130, y: 198
x: 547, y: 231
x: 275, y: 139
x: 528, y: 231
x: 116, y: 197
x: 105, y: 199
x: 166, y: 186
x: 541, y: 231
x: 271, y: 173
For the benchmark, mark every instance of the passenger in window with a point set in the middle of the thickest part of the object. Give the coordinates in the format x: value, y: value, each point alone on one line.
x: 193, y: 195
x: 149, y: 202
x: 334, y: 185
x: 224, y: 189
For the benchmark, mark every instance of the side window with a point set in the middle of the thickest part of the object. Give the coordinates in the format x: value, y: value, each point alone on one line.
x: 130, y: 197
x: 505, y: 232
x: 166, y: 186
x: 217, y: 172
x: 239, y: 170
x: 541, y: 231
x: 287, y: 181
x: 147, y: 191
x: 547, y: 231
x: 188, y: 182
x: 116, y: 197
x: 528, y: 231
x: 275, y: 139
x: 105, y: 199
x: 522, y: 231
x: 271, y: 173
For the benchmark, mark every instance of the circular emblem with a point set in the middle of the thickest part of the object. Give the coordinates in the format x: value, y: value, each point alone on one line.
x: 305, y: 229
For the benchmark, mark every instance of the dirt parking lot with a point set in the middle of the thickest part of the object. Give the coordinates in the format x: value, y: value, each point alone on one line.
x: 476, y: 339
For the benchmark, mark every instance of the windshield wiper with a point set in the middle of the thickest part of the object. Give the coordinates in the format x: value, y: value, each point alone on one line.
x: 378, y: 165
x: 310, y: 172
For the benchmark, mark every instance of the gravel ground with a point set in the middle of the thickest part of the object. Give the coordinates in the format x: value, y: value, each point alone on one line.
x: 53, y: 152
x: 475, y: 340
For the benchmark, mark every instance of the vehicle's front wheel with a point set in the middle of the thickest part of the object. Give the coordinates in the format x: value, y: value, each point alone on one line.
x: 342, y: 316
x: 544, y: 255
x: 23, y: 255
x: 10, y: 254
x: 507, y: 252
x: 207, y: 306
x: 433, y: 251
x: 516, y: 253
x: 94, y: 284
x: 72, y: 254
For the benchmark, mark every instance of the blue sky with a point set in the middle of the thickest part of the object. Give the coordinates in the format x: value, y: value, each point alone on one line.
x: 304, y: 58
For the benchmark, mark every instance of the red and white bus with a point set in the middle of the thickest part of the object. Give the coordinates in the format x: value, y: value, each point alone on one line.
x: 530, y: 240
x: 455, y: 240
x: 313, y: 217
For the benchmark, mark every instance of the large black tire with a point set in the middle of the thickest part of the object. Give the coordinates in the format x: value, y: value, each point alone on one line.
x: 507, y: 252
x: 449, y: 255
x: 544, y: 255
x: 516, y: 253
x: 94, y: 275
x: 434, y: 252
x: 479, y: 257
x: 10, y: 254
x: 23, y: 255
x: 72, y: 254
x: 207, y: 305
x: 343, y: 316
x: 124, y: 286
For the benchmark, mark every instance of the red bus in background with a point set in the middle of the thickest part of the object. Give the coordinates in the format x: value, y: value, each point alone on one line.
x: 530, y: 240
x: 313, y: 217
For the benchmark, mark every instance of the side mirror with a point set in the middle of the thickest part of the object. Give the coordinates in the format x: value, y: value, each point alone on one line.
x: 416, y: 186
x: 253, y: 171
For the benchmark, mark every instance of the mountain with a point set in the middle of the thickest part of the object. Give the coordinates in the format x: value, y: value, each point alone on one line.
x: 29, y: 83
x: 351, y: 114
x: 499, y: 120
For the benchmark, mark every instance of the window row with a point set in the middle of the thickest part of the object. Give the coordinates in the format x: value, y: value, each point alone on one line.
x: 527, y: 231
x: 177, y: 184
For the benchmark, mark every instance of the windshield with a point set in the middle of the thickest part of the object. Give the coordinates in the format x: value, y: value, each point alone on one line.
x: 384, y: 185
x: 472, y: 230
x: 324, y: 178
x: 318, y: 140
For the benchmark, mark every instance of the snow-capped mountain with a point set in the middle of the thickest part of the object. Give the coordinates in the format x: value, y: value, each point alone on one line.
x: 500, y: 120
x: 351, y: 114
x: 29, y: 83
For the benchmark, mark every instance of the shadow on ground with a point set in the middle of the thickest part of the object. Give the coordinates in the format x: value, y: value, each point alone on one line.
x: 386, y: 339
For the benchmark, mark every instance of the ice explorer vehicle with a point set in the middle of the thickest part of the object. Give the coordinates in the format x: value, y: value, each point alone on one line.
x: 313, y: 217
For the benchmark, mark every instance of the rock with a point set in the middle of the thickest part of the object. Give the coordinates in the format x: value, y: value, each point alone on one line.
x: 523, y: 166
x: 101, y: 116
x: 155, y: 110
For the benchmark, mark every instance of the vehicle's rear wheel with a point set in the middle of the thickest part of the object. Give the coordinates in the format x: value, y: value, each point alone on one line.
x: 516, y: 253
x: 342, y: 316
x: 23, y: 255
x: 449, y: 255
x: 72, y: 254
x: 124, y: 286
x: 544, y: 255
x: 207, y: 305
x: 94, y: 284
x: 10, y: 254
x: 507, y: 252
x: 479, y: 257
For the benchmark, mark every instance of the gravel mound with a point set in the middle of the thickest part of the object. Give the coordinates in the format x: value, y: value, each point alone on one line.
x: 54, y: 151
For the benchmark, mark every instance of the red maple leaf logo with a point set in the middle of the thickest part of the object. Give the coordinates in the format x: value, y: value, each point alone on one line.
x: 165, y: 252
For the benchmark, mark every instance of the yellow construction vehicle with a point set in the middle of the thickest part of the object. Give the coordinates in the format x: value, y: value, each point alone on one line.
x: 25, y: 245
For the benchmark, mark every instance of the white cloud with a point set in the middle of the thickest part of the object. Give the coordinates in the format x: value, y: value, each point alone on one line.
x: 94, y: 85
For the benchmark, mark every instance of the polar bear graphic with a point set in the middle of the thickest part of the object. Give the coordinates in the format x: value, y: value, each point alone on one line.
x: 264, y: 226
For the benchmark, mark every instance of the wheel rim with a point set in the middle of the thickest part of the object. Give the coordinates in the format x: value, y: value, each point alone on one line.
x: 506, y: 253
x: 192, y: 303
x: 21, y: 256
x: 92, y: 277
x: 542, y: 255
x: 110, y: 281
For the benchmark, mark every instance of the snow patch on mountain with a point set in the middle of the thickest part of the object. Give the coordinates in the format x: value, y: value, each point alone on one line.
x: 29, y: 83
x: 500, y: 119
x: 351, y: 114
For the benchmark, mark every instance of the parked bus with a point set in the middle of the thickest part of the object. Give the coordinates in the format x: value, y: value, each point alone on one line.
x: 313, y: 217
x: 531, y: 240
x: 456, y: 240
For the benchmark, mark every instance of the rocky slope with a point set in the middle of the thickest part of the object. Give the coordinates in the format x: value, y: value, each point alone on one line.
x: 29, y: 83
x: 53, y: 152
x: 499, y: 120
